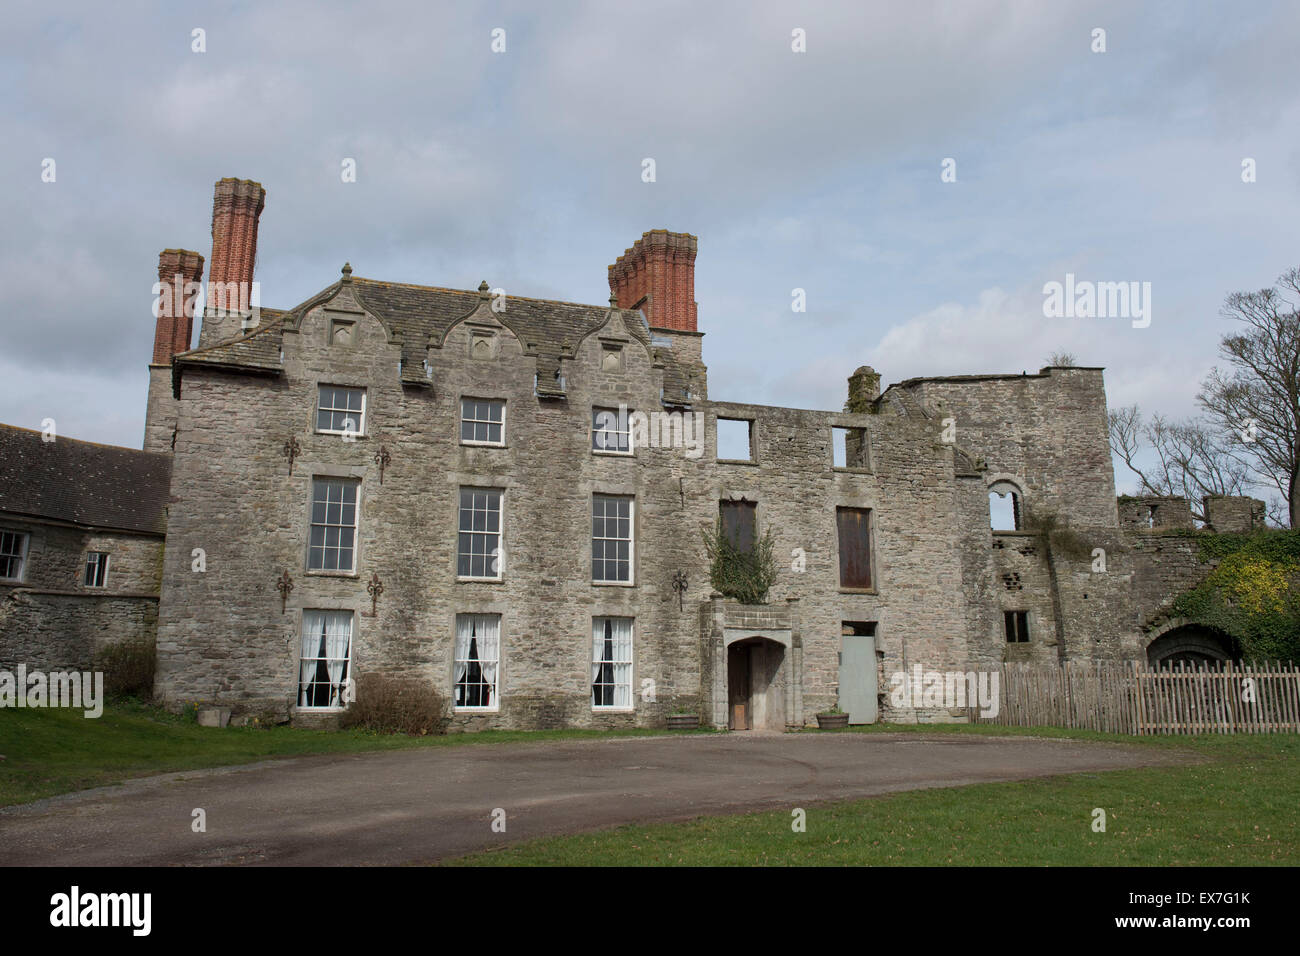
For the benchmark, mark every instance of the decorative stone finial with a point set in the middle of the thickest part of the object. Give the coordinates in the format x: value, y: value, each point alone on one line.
x: 347, y: 272
x: 483, y: 290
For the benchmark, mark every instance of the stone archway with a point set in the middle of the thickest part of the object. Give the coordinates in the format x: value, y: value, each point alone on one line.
x: 1189, y: 643
x: 756, y: 684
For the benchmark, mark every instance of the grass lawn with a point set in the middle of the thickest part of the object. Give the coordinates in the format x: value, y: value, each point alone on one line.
x: 51, y: 750
x: 1239, y: 807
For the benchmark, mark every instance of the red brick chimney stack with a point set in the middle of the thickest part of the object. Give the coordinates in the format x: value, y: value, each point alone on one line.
x: 236, y: 206
x: 661, y: 266
x: 179, y: 272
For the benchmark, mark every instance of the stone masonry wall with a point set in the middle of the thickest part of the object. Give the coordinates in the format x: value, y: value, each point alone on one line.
x: 222, y: 635
x: 52, y: 620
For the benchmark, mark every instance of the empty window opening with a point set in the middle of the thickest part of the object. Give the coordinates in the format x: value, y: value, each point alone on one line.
x: 1004, y: 507
x: 854, y: 528
x: 850, y: 446
x: 1017, y: 625
x: 858, y: 628
x: 735, y: 439
x: 1151, y: 516
x: 739, y: 523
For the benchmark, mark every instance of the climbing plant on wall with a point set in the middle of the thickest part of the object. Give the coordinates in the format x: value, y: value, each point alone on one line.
x: 740, y: 574
x: 1253, y: 594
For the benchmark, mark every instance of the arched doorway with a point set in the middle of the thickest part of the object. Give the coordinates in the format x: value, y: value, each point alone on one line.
x: 1191, y: 644
x: 755, y: 685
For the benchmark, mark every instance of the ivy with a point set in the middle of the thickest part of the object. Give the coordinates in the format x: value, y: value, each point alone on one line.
x: 1253, y: 594
x: 744, y: 576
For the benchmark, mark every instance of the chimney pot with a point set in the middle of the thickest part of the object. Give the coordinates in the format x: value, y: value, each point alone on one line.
x: 659, y: 268
x: 236, y: 206
x: 180, y: 273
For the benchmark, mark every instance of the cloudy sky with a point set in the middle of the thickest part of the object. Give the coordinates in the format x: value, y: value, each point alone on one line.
x: 818, y: 170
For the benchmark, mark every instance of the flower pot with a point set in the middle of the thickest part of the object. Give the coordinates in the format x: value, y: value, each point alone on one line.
x: 832, y: 721
x: 683, y: 721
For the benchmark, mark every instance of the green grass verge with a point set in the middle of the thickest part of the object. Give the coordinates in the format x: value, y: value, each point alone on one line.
x: 51, y: 750
x: 1236, y: 807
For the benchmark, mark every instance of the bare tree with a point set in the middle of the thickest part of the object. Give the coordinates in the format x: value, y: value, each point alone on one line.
x: 1191, y: 459
x: 1257, y: 398
x: 1062, y: 360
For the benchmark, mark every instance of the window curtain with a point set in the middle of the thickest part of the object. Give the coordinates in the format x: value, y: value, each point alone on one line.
x: 464, y: 626
x: 622, y: 641
x: 602, y: 654
x: 338, y: 640
x: 483, y: 632
x: 489, y: 650
x: 313, y: 647
x: 611, y: 660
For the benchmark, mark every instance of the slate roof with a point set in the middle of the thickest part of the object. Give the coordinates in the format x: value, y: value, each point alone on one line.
x: 419, y: 317
x: 102, y: 486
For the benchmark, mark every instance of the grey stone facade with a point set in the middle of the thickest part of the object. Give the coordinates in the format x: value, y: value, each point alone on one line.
x: 234, y: 422
x: 942, y: 579
x: 65, y: 499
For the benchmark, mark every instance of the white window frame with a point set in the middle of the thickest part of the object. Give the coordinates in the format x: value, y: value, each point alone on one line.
x: 628, y: 665
x: 625, y: 432
x: 24, y: 539
x: 483, y: 421
x: 101, y: 568
x: 338, y: 690
x: 312, y: 524
x: 631, y: 541
x: 495, y: 704
x: 499, y: 550
x: 359, y: 431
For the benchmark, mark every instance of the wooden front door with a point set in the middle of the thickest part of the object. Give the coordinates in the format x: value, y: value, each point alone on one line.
x: 738, y: 683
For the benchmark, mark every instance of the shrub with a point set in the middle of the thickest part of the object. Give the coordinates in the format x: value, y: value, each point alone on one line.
x: 396, y: 705
x: 127, y: 667
x: 745, y: 576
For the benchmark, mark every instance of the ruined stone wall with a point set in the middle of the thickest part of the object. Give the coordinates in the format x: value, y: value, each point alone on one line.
x: 1046, y: 431
x: 1154, y: 511
x: 917, y: 602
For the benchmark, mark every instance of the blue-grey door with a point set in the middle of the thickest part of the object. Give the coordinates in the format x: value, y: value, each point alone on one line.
x: 858, y: 677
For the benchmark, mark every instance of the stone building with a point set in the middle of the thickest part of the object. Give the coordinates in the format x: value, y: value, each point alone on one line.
x: 504, y: 497
x: 81, y: 544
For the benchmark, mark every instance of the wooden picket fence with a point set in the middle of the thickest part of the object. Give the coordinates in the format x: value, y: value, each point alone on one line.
x: 1128, y: 697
